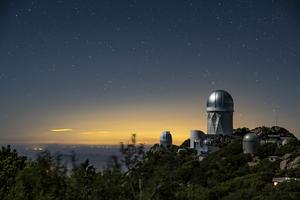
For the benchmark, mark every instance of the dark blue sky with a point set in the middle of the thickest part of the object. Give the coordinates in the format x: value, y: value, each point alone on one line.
x: 144, y: 66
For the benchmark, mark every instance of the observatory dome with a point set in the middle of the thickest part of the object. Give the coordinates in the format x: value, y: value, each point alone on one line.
x: 250, y: 137
x: 220, y: 100
x: 166, y: 138
x: 250, y: 143
x: 197, y: 134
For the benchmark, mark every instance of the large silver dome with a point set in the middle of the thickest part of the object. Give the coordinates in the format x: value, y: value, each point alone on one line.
x: 219, y: 100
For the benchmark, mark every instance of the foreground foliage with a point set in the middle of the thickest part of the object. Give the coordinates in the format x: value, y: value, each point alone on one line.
x: 156, y: 174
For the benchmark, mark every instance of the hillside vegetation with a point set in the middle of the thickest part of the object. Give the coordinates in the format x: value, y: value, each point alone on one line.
x: 156, y: 174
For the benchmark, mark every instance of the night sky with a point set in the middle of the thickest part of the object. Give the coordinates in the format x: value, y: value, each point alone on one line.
x: 96, y: 71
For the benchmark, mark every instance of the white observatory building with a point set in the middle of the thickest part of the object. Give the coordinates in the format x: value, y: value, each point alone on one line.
x: 220, y: 113
x: 250, y: 143
x: 165, y: 139
x: 196, y: 138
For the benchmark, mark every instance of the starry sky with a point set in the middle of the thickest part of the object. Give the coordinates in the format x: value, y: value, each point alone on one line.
x: 95, y: 71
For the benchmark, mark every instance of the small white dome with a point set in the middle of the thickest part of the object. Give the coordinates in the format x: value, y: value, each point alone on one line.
x: 250, y: 137
x: 166, y: 138
x: 250, y: 143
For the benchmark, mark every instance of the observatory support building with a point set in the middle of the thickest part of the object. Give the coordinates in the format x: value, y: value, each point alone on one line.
x: 220, y: 113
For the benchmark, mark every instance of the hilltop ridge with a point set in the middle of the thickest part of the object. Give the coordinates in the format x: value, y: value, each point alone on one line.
x: 263, y: 132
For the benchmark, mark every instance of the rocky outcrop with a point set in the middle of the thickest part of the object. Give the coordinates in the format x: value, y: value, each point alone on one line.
x: 283, y: 164
x: 294, y: 164
x: 289, y: 163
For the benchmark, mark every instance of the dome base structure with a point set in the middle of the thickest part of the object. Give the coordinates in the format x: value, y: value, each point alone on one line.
x: 220, y: 123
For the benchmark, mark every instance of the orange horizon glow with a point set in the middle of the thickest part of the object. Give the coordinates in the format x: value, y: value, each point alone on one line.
x: 117, y: 124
